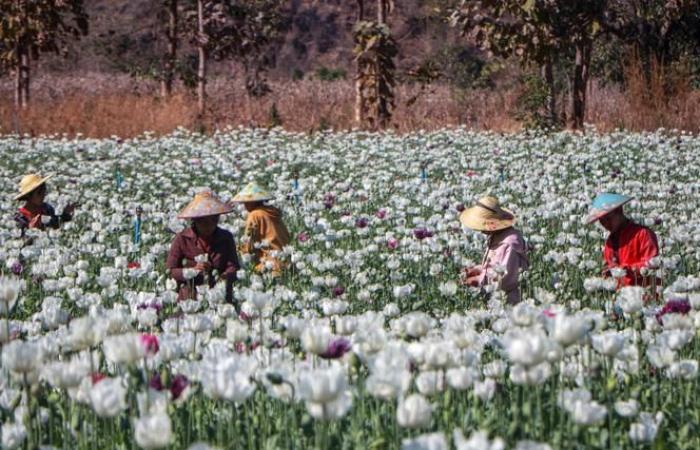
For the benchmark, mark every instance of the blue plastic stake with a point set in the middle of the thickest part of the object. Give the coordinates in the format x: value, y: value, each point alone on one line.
x: 137, y: 227
x: 295, y: 185
x: 118, y: 178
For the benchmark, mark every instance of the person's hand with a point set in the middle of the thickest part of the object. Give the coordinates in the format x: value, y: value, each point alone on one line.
x: 473, y: 271
x: 470, y: 276
x: 473, y: 281
x: 35, y: 222
x: 202, y: 266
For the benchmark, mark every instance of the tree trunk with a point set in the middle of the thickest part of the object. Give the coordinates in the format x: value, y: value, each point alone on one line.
x: 381, y: 11
x: 202, y: 68
x: 22, y: 61
x: 581, y: 73
x: 548, y: 75
x: 382, y: 109
x: 18, y: 78
x: 359, y: 99
x: 166, y: 84
x: 22, y: 75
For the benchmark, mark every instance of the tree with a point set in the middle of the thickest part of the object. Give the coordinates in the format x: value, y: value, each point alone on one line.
x: 232, y: 29
x: 170, y: 60
x: 375, y: 50
x: 538, y: 32
x: 30, y: 28
x: 359, y: 100
x: 660, y: 31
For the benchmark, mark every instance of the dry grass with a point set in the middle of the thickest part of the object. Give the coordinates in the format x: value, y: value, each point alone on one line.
x: 660, y: 97
x: 98, y: 106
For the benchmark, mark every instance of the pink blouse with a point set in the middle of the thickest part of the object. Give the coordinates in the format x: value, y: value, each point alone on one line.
x: 507, y: 254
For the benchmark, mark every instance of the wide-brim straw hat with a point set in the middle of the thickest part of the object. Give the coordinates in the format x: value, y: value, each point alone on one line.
x: 253, y: 192
x: 29, y: 183
x: 487, y: 215
x: 204, y: 204
x: 605, y: 203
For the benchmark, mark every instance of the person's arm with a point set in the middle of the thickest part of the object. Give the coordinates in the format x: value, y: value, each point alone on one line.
x: 510, y: 259
x: 230, y: 266
x: 251, y: 234
x: 646, y: 247
x: 51, y: 212
x: 67, y: 214
x: 21, y: 222
x: 174, y: 261
x: 229, y: 260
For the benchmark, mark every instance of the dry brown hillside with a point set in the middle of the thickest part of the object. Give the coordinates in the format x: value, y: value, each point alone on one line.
x: 317, y: 34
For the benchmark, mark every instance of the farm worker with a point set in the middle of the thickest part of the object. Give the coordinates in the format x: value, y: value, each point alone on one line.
x: 629, y: 246
x: 506, y: 252
x: 35, y: 213
x: 203, y: 252
x: 265, y: 232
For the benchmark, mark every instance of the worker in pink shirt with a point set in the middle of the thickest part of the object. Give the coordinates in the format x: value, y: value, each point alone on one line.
x: 506, y: 252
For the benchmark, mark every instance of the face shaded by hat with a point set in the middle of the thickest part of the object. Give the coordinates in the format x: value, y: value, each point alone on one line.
x: 487, y: 215
x: 29, y: 184
x: 605, y: 203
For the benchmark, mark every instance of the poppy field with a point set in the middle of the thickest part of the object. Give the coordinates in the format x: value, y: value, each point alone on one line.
x: 366, y: 339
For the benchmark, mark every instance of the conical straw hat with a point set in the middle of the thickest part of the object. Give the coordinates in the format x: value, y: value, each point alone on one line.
x: 605, y: 203
x: 253, y: 192
x: 29, y: 183
x: 204, y: 204
x: 487, y: 215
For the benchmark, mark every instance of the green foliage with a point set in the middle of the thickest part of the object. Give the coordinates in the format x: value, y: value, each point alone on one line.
x: 464, y: 68
x: 242, y: 31
x: 327, y: 74
x: 38, y: 27
x: 274, y: 118
x: 531, y: 104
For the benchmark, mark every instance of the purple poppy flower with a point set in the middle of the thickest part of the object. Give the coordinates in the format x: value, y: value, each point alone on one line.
x: 422, y: 233
x: 153, y: 305
x: 380, y: 214
x: 303, y: 236
x: 392, y: 244
x: 178, y: 386
x: 460, y: 207
x: 336, y: 349
x: 155, y: 382
x: 329, y: 200
x: 675, y: 306
x: 361, y: 222
x: 17, y: 268
x: 338, y: 291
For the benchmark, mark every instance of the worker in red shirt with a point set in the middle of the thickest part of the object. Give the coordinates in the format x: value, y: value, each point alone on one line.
x: 629, y: 246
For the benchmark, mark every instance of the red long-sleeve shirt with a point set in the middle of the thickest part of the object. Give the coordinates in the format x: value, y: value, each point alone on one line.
x: 221, y: 248
x: 631, y: 248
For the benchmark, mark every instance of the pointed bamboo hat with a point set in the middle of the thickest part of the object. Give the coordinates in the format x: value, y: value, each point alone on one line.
x: 253, y: 192
x: 204, y: 204
x: 487, y: 215
x: 29, y: 183
x: 605, y: 203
